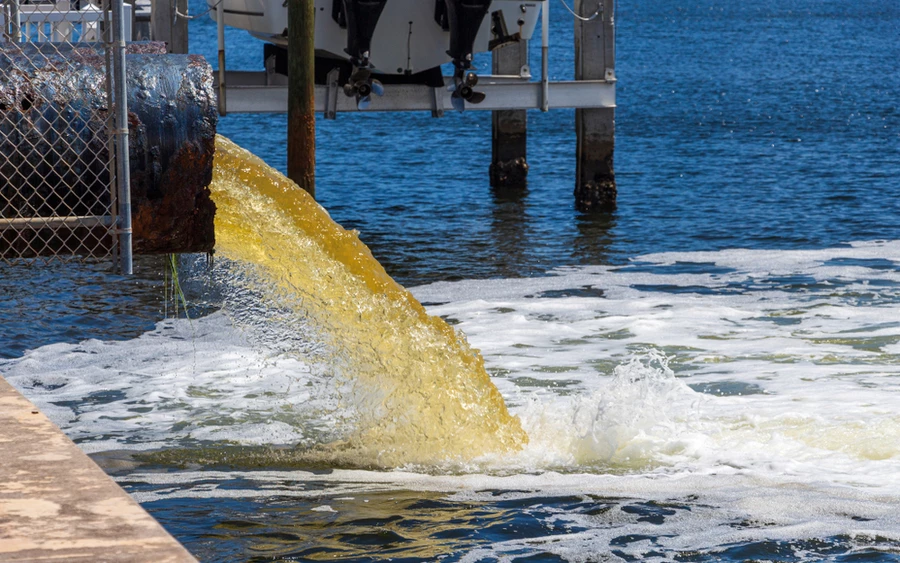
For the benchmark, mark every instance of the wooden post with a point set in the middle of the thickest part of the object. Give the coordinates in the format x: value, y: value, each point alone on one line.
x: 301, y: 94
x: 166, y: 26
x: 509, y: 165
x: 595, y: 59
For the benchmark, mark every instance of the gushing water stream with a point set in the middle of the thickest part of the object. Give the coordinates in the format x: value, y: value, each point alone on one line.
x: 419, y: 391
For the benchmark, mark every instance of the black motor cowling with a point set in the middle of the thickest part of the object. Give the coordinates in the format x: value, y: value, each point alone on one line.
x: 465, y: 18
x: 361, y: 17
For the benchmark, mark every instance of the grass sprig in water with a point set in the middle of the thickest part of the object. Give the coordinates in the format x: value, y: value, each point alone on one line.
x: 174, y: 284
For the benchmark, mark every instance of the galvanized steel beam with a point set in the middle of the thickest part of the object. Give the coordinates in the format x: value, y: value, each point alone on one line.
x: 248, y: 92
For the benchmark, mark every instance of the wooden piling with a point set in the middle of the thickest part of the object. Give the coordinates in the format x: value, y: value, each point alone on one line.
x: 166, y: 26
x: 595, y: 59
x: 301, y: 124
x: 509, y: 163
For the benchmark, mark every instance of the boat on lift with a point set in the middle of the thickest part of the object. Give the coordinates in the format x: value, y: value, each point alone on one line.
x: 396, y: 41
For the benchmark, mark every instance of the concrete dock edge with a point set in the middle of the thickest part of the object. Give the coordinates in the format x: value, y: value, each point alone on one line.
x: 58, y: 505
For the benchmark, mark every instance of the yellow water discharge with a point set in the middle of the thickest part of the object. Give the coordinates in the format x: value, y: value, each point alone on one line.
x: 420, y: 393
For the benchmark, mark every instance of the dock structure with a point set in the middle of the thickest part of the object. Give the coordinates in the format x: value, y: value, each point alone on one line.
x: 58, y: 505
x: 267, y: 92
x: 508, y: 92
x: 407, y: 78
x: 301, y: 142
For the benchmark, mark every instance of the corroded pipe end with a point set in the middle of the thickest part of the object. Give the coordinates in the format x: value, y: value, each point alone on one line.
x: 172, y: 130
x: 54, y: 149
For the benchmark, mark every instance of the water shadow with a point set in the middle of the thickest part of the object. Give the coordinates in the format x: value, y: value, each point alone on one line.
x: 594, y: 238
x: 511, y: 233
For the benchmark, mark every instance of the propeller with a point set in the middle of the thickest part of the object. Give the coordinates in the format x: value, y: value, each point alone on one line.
x: 362, y: 86
x: 463, y: 88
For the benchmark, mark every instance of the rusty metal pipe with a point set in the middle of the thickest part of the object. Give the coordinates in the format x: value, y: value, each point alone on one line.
x: 53, y: 124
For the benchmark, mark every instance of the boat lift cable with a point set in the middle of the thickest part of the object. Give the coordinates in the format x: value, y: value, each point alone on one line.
x: 195, y: 16
x: 596, y: 13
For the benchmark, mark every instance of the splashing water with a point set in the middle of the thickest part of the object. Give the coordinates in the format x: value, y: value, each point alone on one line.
x: 631, y: 423
x: 420, y: 394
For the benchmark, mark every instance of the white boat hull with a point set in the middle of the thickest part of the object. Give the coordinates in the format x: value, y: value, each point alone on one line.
x: 407, y: 40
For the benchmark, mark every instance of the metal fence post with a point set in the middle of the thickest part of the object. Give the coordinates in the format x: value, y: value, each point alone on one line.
x: 15, y: 21
x: 123, y: 176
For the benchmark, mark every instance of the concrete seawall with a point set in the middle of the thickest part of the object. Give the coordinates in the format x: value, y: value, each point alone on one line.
x: 58, y: 505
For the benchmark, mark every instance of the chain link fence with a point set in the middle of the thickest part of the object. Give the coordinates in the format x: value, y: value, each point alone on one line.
x: 58, y: 133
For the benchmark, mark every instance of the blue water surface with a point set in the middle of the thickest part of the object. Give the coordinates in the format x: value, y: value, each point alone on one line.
x: 770, y: 124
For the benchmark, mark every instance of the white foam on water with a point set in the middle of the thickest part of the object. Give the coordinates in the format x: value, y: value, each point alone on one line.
x: 762, y: 384
x: 803, y: 342
x: 187, y: 381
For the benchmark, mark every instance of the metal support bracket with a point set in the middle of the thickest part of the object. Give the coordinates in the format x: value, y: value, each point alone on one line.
x: 220, y: 42
x: 545, y: 56
x: 437, y: 96
x: 332, y: 90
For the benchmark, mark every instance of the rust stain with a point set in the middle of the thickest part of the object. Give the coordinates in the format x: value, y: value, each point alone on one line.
x: 171, y: 140
x: 182, y: 218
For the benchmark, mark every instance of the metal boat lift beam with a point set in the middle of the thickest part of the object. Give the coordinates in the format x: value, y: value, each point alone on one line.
x: 249, y: 92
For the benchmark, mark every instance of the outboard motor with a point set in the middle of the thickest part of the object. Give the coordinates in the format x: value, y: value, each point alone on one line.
x: 361, y: 17
x: 465, y: 18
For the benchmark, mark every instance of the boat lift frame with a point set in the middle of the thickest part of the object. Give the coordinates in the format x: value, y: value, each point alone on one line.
x: 592, y: 94
x: 267, y: 92
x: 259, y: 92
